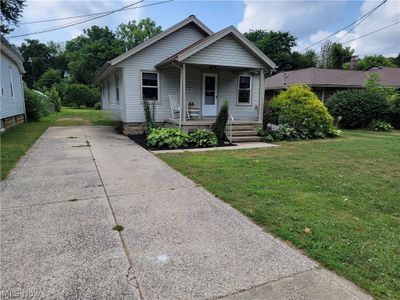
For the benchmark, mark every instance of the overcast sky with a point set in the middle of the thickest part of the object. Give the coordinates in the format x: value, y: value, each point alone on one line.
x: 309, y: 21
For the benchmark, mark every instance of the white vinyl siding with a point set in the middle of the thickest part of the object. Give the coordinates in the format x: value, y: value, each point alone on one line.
x: 12, y: 97
x: 244, y: 90
x: 226, y: 52
x: 168, y: 79
x: 150, y: 86
x: 114, y: 96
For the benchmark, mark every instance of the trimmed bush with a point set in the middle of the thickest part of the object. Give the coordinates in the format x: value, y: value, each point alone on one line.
x: 219, y: 126
x: 172, y: 138
x: 299, y: 108
x: 36, y: 105
x: 379, y: 125
x: 203, y: 138
x: 78, y: 94
x: 357, y: 108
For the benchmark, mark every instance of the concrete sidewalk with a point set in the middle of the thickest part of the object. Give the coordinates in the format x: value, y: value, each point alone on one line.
x: 179, y: 241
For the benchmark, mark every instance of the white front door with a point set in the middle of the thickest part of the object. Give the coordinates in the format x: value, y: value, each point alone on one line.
x: 210, y: 95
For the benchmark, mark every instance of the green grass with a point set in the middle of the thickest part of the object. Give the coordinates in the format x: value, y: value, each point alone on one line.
x: 346, y: 190
x: 17, y: 140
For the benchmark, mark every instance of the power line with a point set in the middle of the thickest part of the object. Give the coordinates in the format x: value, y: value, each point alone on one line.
x: 380, y: 29
x: 90, y: 15
x: 351, y: 24
x: 83, y: 21
x: 361, y: 20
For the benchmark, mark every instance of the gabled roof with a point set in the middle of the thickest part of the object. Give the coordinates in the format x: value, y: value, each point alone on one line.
x: 189, y: 20
x: 332, y: 78
x: 12, y: 53
x: 203, y: 43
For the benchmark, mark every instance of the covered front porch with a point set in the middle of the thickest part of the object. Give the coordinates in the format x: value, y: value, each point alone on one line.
x: 201, y: 90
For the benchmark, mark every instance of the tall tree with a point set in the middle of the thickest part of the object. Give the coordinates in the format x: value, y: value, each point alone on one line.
x: 304, y: 60
x: 374, y: 60
x: 11, y: 11
x: 37, y: 57
x: 134, y: 33
x: 89, y: 51
x: 276, y: 45
x: 334, y: 55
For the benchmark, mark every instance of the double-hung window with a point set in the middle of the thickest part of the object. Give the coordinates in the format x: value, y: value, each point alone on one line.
x: 244, y: 90
x: 150, y: 86
x: 10, y: 73
x: 117, y: 88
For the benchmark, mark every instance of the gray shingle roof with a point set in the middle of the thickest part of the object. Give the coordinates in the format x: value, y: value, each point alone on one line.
x: 332, y: 78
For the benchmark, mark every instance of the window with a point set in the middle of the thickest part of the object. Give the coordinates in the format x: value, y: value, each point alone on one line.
x: 244, y: 89
x: 11, y: 82
x: 150, y: 86
x: 117, y: 88
x: 108, y: 91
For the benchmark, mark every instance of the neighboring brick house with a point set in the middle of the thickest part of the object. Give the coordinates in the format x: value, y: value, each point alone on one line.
x: 12, y: 104
x: 325, y: 82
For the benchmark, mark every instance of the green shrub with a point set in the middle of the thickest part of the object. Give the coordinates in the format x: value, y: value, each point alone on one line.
x: 36, y: 105
x: 167, y: 137
x: 78, y: 94
x: 394, y: 112
x: 202, y: 138
x: 299, y: 108
x: 219, y: 126
x: 379, y: 125
x: 149, y: 108
x: 54, y: 98
x: 357, y: 108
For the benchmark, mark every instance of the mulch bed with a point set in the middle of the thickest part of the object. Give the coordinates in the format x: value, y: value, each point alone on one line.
x: 140, y: 139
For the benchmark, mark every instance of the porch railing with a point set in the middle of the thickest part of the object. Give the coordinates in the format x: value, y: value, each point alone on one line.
x: 229, y: 127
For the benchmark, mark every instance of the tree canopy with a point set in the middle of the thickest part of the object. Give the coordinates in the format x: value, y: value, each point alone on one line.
x: 11, y: 11
x: 133, y: 33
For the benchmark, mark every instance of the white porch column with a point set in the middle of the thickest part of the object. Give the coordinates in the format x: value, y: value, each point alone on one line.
x: 183, y: 104
x: 262, y: 96
x: 180, y: 96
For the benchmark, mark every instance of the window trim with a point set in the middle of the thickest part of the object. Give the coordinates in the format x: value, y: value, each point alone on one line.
x: 117, y: 90
x: 250, y: 90
x: 147, y: 86
x: 12, y: 89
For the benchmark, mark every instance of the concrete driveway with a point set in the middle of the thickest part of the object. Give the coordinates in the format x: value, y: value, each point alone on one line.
x: 59, y: 205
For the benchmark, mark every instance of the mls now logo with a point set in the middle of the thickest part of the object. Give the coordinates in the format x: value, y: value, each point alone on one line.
x: 19, y: 293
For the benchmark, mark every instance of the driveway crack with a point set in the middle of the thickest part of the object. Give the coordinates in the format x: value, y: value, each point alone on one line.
x: 131, y: 278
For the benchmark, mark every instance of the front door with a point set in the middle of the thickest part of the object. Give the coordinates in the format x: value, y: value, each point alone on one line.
x: 210, y: 95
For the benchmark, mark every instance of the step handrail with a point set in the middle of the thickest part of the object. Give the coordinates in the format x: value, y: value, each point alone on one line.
x: 229, y: 127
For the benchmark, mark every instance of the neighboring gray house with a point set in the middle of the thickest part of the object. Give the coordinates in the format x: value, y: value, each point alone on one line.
x: 188, y: 71
x: 12, y: 104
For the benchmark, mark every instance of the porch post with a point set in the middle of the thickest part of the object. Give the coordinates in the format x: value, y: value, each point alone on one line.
x: 262, y: 97
x: 183, y: 105
x: 180, y: 97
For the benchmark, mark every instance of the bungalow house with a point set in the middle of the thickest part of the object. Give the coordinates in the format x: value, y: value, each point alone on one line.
x: 325, y: 82
x: 12, y: 105
x: 188, y: 72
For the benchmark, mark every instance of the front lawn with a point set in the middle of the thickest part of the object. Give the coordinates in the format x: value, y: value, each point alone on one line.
x: 346, y: 190
x: 17, y: 140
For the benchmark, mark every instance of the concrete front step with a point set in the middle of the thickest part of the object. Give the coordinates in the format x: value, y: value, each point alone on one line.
x: 241, y: 139
x: 244, y: 132
x: 240, y: 127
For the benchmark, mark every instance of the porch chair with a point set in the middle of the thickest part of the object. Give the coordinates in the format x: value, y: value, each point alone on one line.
x: 175, y: 107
